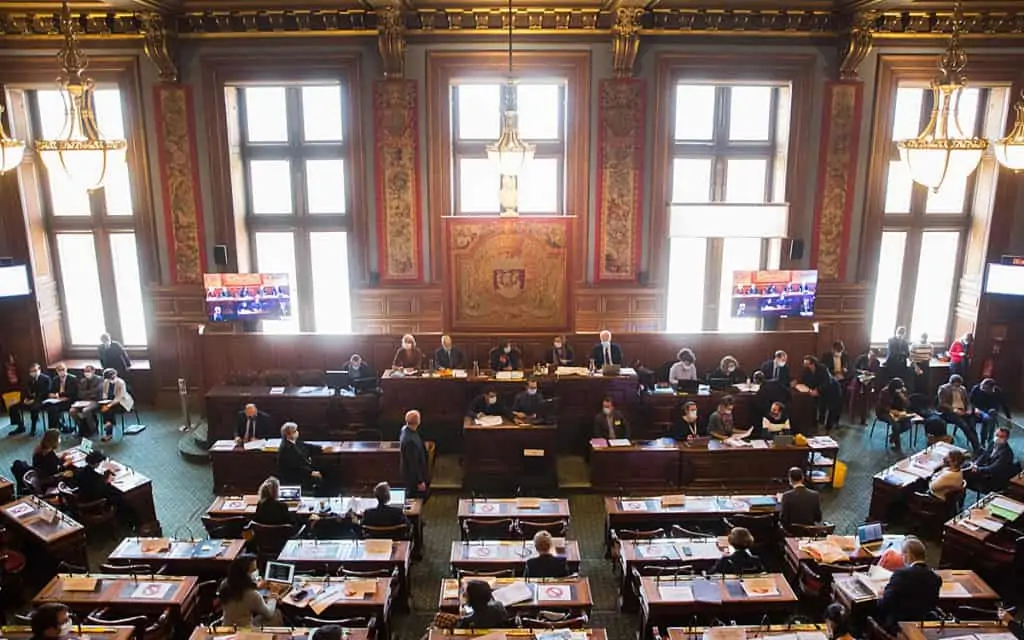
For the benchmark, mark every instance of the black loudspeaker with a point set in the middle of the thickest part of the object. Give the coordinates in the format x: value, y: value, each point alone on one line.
x: 796, y: 249
x: 642, y: 277
x: 374, y: 278
x: 220, y: 255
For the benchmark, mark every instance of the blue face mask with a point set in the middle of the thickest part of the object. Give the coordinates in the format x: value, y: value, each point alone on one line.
x: 606, y: 344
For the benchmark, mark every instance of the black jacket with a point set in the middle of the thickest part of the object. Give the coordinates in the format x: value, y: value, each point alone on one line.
x: 480, y: 405
x: 91, y: 485
x: 90, y: 388
x: 770, y: 392
x: 70, y: 387
x: 264, y: 428
x: 740, y: 562
x: 911, y: 595
x: 564, y: 356
x: 844, y: 360
x: 452, y: 359
x: 990, y: 402
x: 996, y: 462
x: 617, y: 421
x: 273, y: 512
x: 530, y: 405
x: 412, y: 459
x: 493, y: 616
x: 39, y: 389
x: 736, y: 377
x: 546, y: 566
x: 294, y: 462
x: 384, y: 515
x: 818, y: 379
x: 800, y: 505
x: 358, y: 373
x: 597, y: 355
x: 501, y: 361
x: 115, y: 357
x: 768, y: 369
x: 681, y: 429
x: 48, y: 467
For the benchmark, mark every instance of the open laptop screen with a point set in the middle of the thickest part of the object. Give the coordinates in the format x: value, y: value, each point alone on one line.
x: 290, y: 493
x: 397, y: 497
x: 869, y: 533
x: 280, y: 572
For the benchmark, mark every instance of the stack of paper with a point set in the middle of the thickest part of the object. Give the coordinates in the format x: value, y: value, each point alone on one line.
x: 619, y: 442
x: 824, y: 551
x: 953, y: 590
x: 760, y: 587
x: 514, y: 593
x: 675, y: 593
x: 489, y: 421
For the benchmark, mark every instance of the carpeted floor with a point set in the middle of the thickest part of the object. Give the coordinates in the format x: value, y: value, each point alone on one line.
x: 182, y: 491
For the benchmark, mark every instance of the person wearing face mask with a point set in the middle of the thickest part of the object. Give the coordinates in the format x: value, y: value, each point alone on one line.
x: 729, y: 369
x: 50, y: 466
x: 955, y: 407
x: 823, y: 387
x: 528, y: 404
x: 560, y: 353
x: 768, y: 393
x: 685, y: 367
x: 90, y: 392
x: 606, y: 351
x: 114, y: 400
x: 412, y: 460
x: 51, y: 620
x: 505, y: 357
x: 992, y: 470
x: 63, y: 392
x: 113, y: 355
x: 720, y: 423
x: 610, y: 423
x: 448, y: 356
x: 36, y: 391
x: 295, y: 460
x: 243, y: 604
x: 686, y: 424
x: 357, y: 368
x: 893, y: 401
x: 487, y: 404
x: 777, y: 368
x: 960, y: 353
x: 408, y: 356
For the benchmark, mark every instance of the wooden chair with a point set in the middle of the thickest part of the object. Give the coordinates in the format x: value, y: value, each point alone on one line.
x: 476, y: 529
x: 555, y: 620
x: 133, y: 568
x: 930, y: 512
x: 207, y: 610
x: 145, y: 627
x: 375, y: 573
x: 882, y: 415
x: 665, y: 570
x: 350, y: 623
x: 394, y: 532
x: 558, y: 527
x: 616, y: 536
x: 34, y: 483
x: 230, y: 528
x: 676, y: 531
x: 762, y: 526
x: 470, y: 573
x: 811, y: 530
x: 813, y: 585
x: 268, y: 540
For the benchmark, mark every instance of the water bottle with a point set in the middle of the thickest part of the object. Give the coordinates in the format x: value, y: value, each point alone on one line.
x: 476, y: 368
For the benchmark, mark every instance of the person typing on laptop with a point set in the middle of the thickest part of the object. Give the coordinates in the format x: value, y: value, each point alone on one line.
x: 241, y: 600
x: 384, y: 514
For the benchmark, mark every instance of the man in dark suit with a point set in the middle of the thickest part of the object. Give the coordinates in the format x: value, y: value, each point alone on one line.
x: 545, y: 564
x: 357, y: 368
x: 90, y: 389
x: 913, y: 591
x: 610, y: 423
x: 768, y: 393
x: 837, y: 362
x: 383, y: 515
x: 252, y: 424
x: 36, y: 391
x: 113, y: 356
x: 412, y: 458
x: 560, y: 353
x: 487, y: 404
x: 528, y: 404
x: 294, y: 461
x: 992, y: 470
x: 800, y: 505
x: 63, y: 392
x: 448, y: 356
x: 824, y: 389
x: 606, y: 351
x: 777, y: 368
x: 505, y: 357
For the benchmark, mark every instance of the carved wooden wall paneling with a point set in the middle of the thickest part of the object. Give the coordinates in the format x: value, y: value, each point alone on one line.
x: 841, y: 313
x: 177, y: 313
x: 624, y: 310
x: 397, y: 311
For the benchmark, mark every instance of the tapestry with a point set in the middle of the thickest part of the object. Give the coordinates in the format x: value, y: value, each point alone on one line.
x: 838, y: 169
x: 179, y: 179
x: 508, y: 274
x: 620, y: 171
x: 396, y: 137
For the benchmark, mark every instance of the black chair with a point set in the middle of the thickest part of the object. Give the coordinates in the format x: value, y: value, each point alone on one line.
x: 230, y: 528
x: 470, y: 573
x: 811, y: 530
x: 478, y: 529
x: 146, y: 628
x: 394, y: 532
x: 268, y: 540
x: 557, y: 527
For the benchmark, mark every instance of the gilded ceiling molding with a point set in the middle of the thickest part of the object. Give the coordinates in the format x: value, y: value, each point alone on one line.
x: 625, y: 40
x: 391, y: 40
x: 159, y: 45
x: 856, y: 44
x: 709, y: 21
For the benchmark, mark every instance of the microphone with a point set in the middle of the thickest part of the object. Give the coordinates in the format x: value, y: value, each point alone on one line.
x: 191, y: 536
x: 764, y: 622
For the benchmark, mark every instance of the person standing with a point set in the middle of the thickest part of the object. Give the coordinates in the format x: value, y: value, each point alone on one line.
x: 960, y: 354
x: 800, y: 505
x: 412, y: 459
x: 113, y: 355
x: 920, y: 359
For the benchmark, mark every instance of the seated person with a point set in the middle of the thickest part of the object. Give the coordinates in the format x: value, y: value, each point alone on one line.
x: 486, y: 404
x: 241, y: 600
x: 95, y: 485
x: 408, y: 356
x: 950, y: 479
x: 357, y: 368
x: 270, y: 510
x: 528, y: 404
x: 481, y: 610
x: 913, y: 591
x: 729, y: 369
x: 332, y: 632
x: 686, y: 424
x: 768, y: 393
x: 90, y: 389
x: 824, y: 389
x: 50, y: 467
x: 63, y: 392
x: 777, y: 368
x: 545, y: 564
x: 560, y: 353
x: 685, y: 367
x: 51, y: 621
x: 505, y: 357
x: 606, y: 351
x: 987, y: 399
x: 955, y: 407
x: 992, y: 469
x: 611, y: 423
x: 799, y: 505
x: 114, y: 401
x: 777, y: 420
x: 837, y: 622
x: 741, y: 561
x: 1006, y: 617
x: 36, y: 391
x: 448, y: 356
x: 720, y: 423
x: 892, y: 401
x: 383, y: 515
x: 294, y: 459
x: 252, y: 424
x: 869, y: 362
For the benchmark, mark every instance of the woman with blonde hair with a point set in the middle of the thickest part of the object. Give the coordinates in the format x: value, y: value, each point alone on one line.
x: 270, y: 510
x: 408, y: 356
x: 49, y: 466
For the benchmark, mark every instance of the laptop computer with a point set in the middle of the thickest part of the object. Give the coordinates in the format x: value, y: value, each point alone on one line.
x: 85, y: 446
x: 870, y: 535
x: 688, y: 386
x: 611, y: 369
x: 338, y: 379
x: 397, y: 497
x: 290, y: 493
x: 279, y: 577
x: 720, y: 384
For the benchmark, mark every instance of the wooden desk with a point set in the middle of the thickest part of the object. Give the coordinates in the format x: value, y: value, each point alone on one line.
x: 506, y: 508
x: 273, y: 633
x: 965, y: 545
x: 559, y: 594
x: 860, y: 600
x: 6, y: 490
x: 650, y: 512
x: 891, y: 487
x: 761, y: 632
x: 83, y: 631
x: 659, y: 407
x: 146, y: 596
x: 1016, y: 487
x: 644, y: 465
x: 136, y: 489
x: 941, y: 630
x: 499, y: 555
x: 794, y: 551
x: 206, y: 558
x: 498, y: 456
x: 504, y: 634
x: 51, y: 535
x: 351, y: 465
x: 663, y: 604
x: 699, y: 553
x: 376, y: 604
x: 332, y: 555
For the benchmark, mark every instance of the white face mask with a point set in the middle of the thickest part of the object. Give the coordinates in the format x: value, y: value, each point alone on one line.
x: 508, y: 349
x: 407, y: 345
x: 729, y: 368
x: 88, y: 375
x: 558, y: 345
x: 34, y: 374
x: 255, y: 576
x: 780, y: 363
x: 691, y: 415
x: 67, y: 628
x: 606, y: 410
x: 531, y: 392
x: 606, y: 343
x: 492, y: 400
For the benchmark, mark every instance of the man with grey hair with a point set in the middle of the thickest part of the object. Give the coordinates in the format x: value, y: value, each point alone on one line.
x: 606, y: 351
x: 252, y: 424
x: 294, y: 462
x: 913, y: 591
x: 413, y: 457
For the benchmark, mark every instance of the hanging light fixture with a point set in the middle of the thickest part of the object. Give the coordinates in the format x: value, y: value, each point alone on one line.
x: 1010, y: 150
x: 510, y: 152
x: 80, y: 150
x: 11, y: 151
x: 942, y: 151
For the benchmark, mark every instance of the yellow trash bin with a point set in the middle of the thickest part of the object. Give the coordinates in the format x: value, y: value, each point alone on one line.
x: 839, y: 475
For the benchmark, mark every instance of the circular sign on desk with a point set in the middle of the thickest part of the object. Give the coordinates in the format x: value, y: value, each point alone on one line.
x: 481, y: 552
x: 486, y: 508
x: 554, y: 593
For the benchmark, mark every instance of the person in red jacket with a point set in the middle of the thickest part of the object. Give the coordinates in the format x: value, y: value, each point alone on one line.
x: 960, y: 353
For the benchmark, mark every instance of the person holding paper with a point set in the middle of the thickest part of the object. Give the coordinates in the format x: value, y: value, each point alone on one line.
x: 560, y: 353
x: 777, y: 368
x: 90, y: 391
x: 741, y: 561
x: 486, y: 404
x: 383, y: 515
x: 610, y: 423
x: 94, y: 484
x: 63, y: 392
x: 720, y: 423
x: 545, y: 564
x: 950, y: 479
x: 505, y: 357
x: 482, y: 611
x: 823, y: 387
x: 992, y: 470
x: 412, y: 458
x: 528, y: 404
x: 955, y: 407
x: 777, y: 420
x: 892, y: 400
x: 913, y: 591
x: 294, y: 461
x: 50, y: 467
x: 243, y: 604
x: 686, y: 423
x: 799, y: 505
x: 252, y: 424
x: 769, y: 392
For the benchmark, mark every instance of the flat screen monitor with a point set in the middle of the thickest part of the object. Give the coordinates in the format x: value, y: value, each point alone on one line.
x: 773, y: 294
x: 14, y: 281
x: 1005, y: 279
x: 247, y: 296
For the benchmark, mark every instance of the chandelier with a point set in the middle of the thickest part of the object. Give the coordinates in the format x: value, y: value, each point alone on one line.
x: 11, y: 151
x: 510, y: 152
x: 80, y: 150
x: 1010, y: 150
x: 942, y: 151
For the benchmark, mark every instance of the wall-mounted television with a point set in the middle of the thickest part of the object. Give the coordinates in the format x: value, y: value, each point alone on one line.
x: 773, y: 294
x: 247, y: 296
x: 14, y: 281
x: 1005, y: 279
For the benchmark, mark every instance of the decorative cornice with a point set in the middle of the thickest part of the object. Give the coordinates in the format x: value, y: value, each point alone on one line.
x: 391, y: 40
x: 160, y: 45
x: 855, y: 44
x: 625, y: 40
